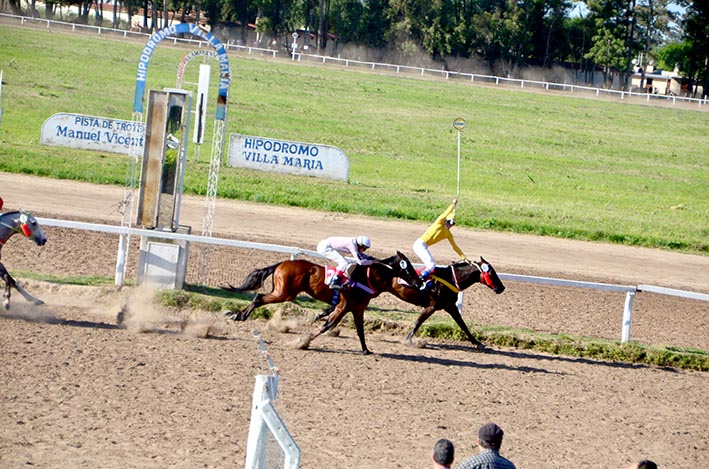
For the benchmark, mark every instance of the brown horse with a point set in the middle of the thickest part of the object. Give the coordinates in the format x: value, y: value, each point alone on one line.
x: 448, y: 281
x: 10, y: 224
x: 293, y: 277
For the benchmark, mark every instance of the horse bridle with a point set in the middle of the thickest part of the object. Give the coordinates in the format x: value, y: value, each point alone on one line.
x: 402, y: 265
x: 24, y: 229
x: 484, y: 268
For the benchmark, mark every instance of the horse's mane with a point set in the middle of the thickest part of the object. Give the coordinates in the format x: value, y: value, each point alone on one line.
x: 10, y: 213
x: 389, y: 260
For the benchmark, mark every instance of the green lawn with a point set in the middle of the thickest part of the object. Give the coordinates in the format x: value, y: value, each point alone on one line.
x: 547, y: 164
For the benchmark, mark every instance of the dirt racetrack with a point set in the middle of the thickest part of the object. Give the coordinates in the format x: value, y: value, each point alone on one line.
x: 173, y: 388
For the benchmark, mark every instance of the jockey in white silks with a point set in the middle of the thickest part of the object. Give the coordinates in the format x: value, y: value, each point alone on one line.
x: 334, y: 247
x: 438, y: 231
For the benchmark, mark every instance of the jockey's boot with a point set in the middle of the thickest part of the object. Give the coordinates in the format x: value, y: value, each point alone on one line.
x: 426, y: 282
x: 335, y: 299
x: 336, y: 281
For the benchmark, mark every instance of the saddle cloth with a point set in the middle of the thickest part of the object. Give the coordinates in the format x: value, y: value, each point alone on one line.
x: 330, y: 272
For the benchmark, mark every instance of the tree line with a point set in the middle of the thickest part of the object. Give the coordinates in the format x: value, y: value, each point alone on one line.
x: 505, y: 37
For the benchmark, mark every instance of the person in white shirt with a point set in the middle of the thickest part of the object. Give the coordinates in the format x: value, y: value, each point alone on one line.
x: 334, y: 247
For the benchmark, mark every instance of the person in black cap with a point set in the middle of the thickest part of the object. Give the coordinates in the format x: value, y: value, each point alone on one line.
x: 489, y: 442
x: 644, y: 464
x: 443, y: 454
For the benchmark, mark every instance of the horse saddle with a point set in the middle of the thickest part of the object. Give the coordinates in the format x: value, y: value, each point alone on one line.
x: 436, y: 276
x: 330, y: 272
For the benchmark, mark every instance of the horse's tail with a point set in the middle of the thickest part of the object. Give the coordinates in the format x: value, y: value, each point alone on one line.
x: 254, y: 280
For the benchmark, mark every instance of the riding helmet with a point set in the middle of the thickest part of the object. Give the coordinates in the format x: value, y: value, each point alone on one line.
x: 363, y: 241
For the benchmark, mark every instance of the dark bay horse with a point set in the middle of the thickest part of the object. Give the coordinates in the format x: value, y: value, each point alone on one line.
x: 18, y: 222
x: 293, y: 277
x: 448, y: 281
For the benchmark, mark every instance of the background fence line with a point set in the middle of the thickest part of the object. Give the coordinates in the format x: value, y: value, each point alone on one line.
x: 294, y: 252
x: 397, y: 69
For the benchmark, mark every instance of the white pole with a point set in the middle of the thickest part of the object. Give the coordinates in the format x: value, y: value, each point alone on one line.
x: 457, y: 194
x: 459, y: 125
x: 121, y: 260
x: 627, y: 316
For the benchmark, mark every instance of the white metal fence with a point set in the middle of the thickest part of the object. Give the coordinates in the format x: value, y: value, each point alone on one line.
x: 572, y: 89
x: 629, y: 290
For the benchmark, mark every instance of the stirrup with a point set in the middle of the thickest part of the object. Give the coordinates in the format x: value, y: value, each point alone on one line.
x: 427, y: 285
x: 335, y: 283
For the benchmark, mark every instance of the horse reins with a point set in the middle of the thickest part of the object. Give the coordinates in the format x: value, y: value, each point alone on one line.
x: 23, y: 228
x: 485, y: 275
x: 369, y: 282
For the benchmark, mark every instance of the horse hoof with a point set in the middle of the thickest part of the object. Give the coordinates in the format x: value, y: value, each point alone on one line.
x: 230, y: 315
x: 480, y: 347
x: 366, y: 352
x: 39, y: 302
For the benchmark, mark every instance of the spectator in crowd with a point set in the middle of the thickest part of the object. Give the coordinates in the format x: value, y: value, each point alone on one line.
x: 443, y: 454
x: 489, y: 442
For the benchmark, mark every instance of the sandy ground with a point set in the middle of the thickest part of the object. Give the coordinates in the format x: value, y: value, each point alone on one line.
x: 173, y: 388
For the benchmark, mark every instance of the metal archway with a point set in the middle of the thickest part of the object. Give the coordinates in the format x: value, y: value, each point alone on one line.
x: 129, y: 200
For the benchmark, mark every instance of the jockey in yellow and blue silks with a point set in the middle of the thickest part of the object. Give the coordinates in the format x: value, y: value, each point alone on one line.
x: 438, y: 231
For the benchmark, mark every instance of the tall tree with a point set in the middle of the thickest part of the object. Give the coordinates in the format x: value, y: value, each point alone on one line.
x: 608, y: 51
x: 653, y: 25
x: 243, y: 12
x: 614, y: 43
x: 696, y: 26
x: 578, y: 32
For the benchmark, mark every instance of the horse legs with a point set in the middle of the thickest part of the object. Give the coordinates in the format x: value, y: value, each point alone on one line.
x: 359, y: 325
x: 335, y: 319
x: 6, y: 294
x: 9, y: 284
x: 455, y: 314
x: 324, y: 313
x: 244, y: 314
x: 278, y: 295
x: 425, y: 314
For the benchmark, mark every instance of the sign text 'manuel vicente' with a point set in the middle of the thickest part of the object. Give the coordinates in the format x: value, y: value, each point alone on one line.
x: 92, y: 133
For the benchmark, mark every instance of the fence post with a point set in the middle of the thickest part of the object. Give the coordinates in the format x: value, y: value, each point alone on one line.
x: 627, y: 316
x: 121, y: 260
x: 459, y: 303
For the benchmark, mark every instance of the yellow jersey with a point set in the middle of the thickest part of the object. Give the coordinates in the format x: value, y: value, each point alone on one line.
x: 438, y: 231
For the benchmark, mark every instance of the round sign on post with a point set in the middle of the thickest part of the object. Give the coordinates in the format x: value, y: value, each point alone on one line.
x: 294, y: 46
x: 459, y: 124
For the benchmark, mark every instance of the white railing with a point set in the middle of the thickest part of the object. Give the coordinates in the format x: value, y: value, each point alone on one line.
x: 517, y: 82
x: 100, y: 30
x: 394, y: 68
x: 293, y: 252
x: 265, y: 421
